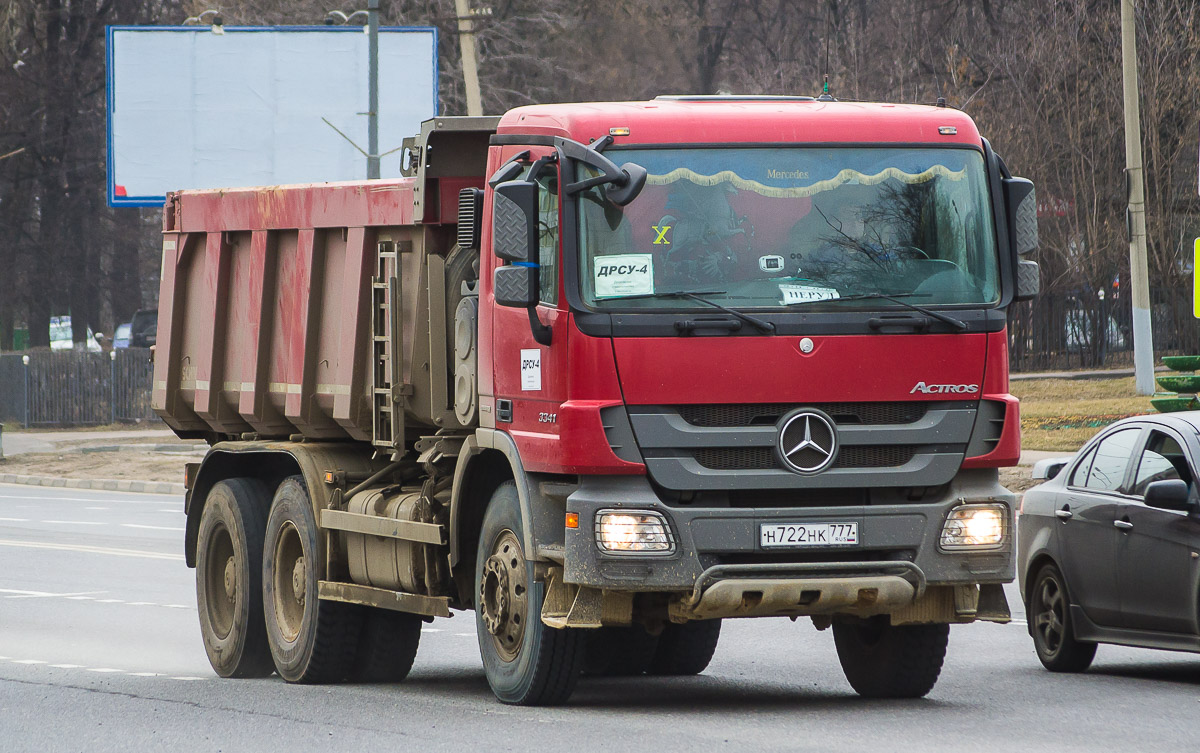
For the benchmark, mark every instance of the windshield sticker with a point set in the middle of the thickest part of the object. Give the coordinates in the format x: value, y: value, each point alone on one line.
x: 624, y: 274
x: 802, y: 293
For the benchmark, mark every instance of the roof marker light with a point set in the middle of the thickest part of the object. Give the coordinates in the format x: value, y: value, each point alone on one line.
x: 947, y: 130
x: 619, y: 131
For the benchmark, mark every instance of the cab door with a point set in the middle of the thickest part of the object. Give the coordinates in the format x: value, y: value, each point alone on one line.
x: 1158, y: 570
x: 530, y: 377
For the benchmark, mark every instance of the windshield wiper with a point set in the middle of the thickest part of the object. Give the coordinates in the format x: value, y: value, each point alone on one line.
x: 697, y: 295
x: 896, y: 298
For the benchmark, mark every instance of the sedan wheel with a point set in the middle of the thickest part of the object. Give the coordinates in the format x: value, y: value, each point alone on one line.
x: 1049, y: 616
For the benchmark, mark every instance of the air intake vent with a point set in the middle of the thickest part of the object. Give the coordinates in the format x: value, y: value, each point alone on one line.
x: 765, y: 414
x: 470, y: 217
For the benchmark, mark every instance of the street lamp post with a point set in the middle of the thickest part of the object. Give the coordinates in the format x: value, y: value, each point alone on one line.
x: 372, y: 89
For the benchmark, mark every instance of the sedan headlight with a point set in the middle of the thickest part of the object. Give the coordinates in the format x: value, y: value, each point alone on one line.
x: 633, y: 532
x: 975, y: 527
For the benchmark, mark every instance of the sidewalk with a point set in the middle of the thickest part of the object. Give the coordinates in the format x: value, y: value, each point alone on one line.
x: 27, y: 441
x: 1093, y: 374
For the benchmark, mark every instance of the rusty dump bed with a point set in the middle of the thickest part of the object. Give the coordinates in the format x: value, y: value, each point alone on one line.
x: 278, y: 305
x: 265, y: 301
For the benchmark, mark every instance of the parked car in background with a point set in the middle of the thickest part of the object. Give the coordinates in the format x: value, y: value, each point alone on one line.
x: 61, y: 339
x: 143, y: 329
x: 121, y: 336
x: 1109, y: 547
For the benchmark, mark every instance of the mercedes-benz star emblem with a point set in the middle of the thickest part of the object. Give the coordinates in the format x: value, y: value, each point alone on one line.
x: 807, y: 441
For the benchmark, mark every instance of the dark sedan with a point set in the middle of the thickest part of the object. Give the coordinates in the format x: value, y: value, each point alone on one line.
x: 1109, y: 547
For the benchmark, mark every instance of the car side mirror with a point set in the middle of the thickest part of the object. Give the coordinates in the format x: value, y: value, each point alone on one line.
x: 514, y: 220
x: 1172, y: 494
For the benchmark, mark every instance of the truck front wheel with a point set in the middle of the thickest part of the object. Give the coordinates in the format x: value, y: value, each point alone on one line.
x: 526, y: 662
x: 882, y: 660
x: 686, y: 649
x: 312, y: 641
x: 229, y: 556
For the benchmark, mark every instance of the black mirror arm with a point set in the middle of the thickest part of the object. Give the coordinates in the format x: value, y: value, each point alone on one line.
x: 575, y: 151
x: 541, y: 333
x: 509, y: 169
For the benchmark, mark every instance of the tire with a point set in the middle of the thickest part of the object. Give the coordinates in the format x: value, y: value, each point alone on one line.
x: 229, y: 553
x: 312, y: 641
x: 686, y: 649
x: 526, y: 662
x: 387, y: 646
x: 882, y: 660
x: 1049, y: 618
x: 619, y: 651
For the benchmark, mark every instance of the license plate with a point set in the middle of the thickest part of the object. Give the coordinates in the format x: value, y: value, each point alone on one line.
x: 808, y: 534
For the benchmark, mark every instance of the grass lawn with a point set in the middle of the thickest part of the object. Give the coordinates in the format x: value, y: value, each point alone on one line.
x: 1062, y: 414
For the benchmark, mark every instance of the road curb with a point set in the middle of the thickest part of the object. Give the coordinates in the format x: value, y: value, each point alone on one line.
x: 104, y: 485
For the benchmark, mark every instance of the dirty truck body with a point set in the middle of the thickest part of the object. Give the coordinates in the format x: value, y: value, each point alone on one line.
x: 757, y: 369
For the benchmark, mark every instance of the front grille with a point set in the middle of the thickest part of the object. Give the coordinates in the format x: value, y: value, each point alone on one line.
x: 765, y: 414
x: 762, y: 458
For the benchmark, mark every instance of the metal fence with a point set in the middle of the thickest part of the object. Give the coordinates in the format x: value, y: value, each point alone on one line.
x: 1089, y: 330
x: 76, y: 388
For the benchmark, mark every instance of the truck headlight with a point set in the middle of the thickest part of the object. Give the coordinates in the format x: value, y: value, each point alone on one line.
x: 975, y: 527
x: 633, y: 532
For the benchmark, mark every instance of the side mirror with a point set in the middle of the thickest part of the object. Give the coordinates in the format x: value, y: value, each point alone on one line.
x: 514, y: 220
x: 1029, y: 280
x: 1171, y: 494
x: 1020, y: 203
x: 516, y: 286
x: 1044, y: 470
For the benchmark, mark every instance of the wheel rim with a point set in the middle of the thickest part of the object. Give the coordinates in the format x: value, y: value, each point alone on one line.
x: 220, y: 581
x: 290, y: 582
x: 1050, y: 617
x: 503, y: 595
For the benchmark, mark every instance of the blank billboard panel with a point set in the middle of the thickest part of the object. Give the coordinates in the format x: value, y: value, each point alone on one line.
x: 188, y: 108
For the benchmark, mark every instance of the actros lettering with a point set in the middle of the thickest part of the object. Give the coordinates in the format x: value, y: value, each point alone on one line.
x: 943, y: 389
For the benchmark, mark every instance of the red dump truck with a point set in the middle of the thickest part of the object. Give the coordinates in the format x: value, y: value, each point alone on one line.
x: 606, y: 375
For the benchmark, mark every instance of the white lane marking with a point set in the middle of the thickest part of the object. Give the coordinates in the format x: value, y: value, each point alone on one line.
x: 73, y: 522
x: 105, y: 670
x: 97, y: 508
x: 141, y: 604
x: 187, y: 678
x: 465, y: 635
x: 144, y: 674
x: 431, y: 630
x: 104, y: 496
x: 67, y: 666
x: 110, y: 601
x: 152, y: 528
x: 175, y: 606
x: 82, y: 598
x: 92, y: 549
x: 28, y: 661
x: 16, y: 594
x: 173, y: 511
x: 14, y: 520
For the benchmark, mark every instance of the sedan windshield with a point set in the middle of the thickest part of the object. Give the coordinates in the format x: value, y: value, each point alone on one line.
x: 771, y: 227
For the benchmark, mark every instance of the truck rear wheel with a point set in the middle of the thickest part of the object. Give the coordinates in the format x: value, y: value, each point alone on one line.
x: 526, y: 662
x: 312, y: 641
x: 686, y: 649
x: 387, y: 646
x: 882, y: 660
x: 229, y: 555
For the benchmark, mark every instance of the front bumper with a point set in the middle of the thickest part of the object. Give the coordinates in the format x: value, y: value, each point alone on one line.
x: 893, y: 538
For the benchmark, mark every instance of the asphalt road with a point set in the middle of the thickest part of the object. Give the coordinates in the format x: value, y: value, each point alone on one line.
x: 100, y: 650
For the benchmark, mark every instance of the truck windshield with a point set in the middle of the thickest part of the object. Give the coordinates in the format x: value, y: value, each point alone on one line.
x: 771, y: 227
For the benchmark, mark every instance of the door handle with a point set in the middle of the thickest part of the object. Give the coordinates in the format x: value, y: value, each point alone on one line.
x: 1124, y: 525
x: 1064, y: 514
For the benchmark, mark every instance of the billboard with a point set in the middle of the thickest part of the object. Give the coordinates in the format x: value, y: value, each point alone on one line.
x: 190, y: 108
